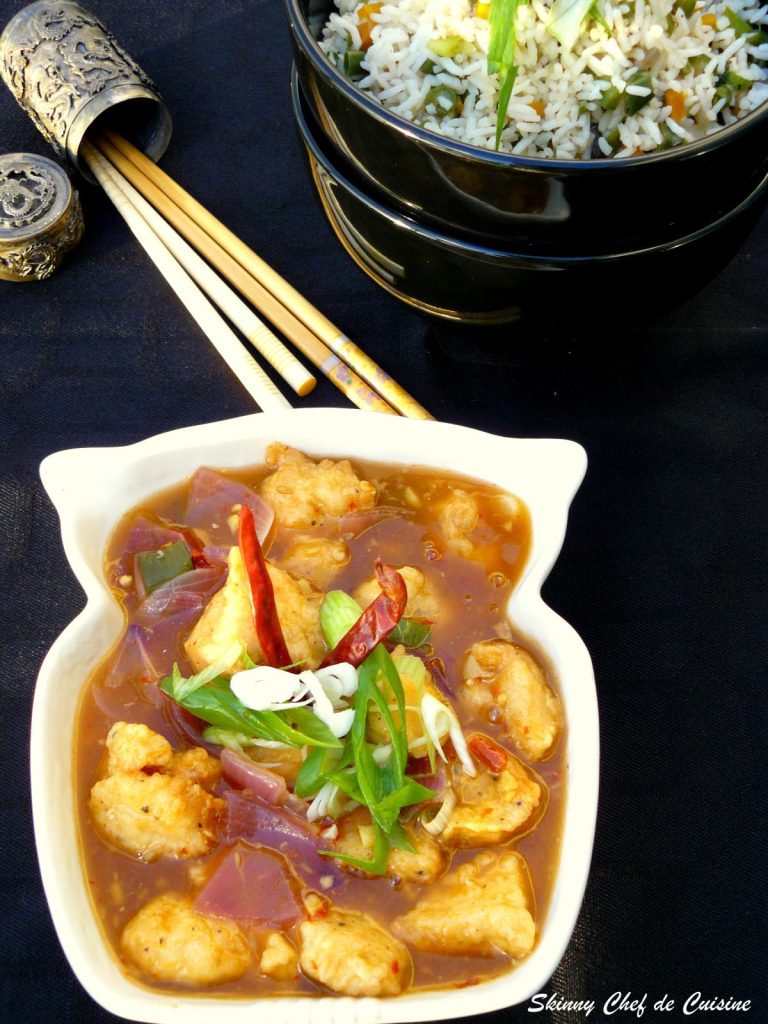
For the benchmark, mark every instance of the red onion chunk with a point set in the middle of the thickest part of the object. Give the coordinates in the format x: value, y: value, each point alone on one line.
x: 210, y: 501
x: 252, y: 886
x: 243, y: 773
x: 188, y: 592
x: 132, y: 661
x: 252, y: 820
x: 149, y: 535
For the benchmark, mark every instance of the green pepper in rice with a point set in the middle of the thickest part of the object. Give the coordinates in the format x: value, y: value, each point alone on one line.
x: 353, y: 60
x: 444, y: 100
x: 729, y: 84
x: 668, y: 137
x: 641, y: 79
x: 447, y: 47
x: 610, y: 98
x: 742, y: 27
x: 686, y: 6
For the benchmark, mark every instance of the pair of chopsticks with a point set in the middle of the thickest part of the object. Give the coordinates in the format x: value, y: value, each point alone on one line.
x: 159, y: 212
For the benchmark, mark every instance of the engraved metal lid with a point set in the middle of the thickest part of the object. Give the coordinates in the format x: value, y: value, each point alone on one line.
x: 67, y: 71
x: 40, y: 217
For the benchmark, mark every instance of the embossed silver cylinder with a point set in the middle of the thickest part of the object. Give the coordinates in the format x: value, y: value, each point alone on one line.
x: 68, y: 72
x: 40, y: 217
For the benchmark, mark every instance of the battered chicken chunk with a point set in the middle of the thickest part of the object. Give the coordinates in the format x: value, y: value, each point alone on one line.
x: 303, y: 492
x: 279, y: 959
x: 421, y: 601
x: 170, y: 941
x: 422, y: 866
x: 164, y: 813
x: 351, y: 954
x: 482, y: 907
x: 458, y: 517
x: 493, y: 807
x: 228, y: 619
x: 133, y: 746
x: 316, y: 558
x: 500, y: 673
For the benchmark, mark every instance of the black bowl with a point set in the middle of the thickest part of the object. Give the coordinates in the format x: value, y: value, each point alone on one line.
x: 453, y: 277
x: 579, y: 207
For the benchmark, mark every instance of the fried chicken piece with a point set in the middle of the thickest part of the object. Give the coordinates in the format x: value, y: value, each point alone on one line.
x: 422, y: 866
x: 422, y: 603
x: 153, y: 809
x: 349, y: 953
x: 133, y: 746
x: 303, y: 492
x: 317, y: 559
x: 482, y: 907
x: 458, y: 517
x: 497, y: 672
x: 228, y: 619
x: 170, y: 941
x: 492, y: 807
x: 279, y: 960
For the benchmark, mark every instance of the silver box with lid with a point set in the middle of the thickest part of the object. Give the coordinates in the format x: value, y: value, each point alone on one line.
x: 40, y: 217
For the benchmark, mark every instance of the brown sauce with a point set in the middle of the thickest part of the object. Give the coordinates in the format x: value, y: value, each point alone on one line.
x: 472, y: 593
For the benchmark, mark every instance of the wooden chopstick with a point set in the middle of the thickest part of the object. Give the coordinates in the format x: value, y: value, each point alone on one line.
x: 321, y: 327
x: 257, y: 332
x: 353, y: 386
x: 236, y: 356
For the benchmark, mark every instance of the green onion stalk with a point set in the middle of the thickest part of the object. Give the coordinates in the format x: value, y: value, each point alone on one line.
x: 501, y: 55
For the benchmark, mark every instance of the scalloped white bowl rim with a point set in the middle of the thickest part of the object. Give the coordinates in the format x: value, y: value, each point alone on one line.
x: 92, y: 488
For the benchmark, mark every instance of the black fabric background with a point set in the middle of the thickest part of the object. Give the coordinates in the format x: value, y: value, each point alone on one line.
x: 664, y: 567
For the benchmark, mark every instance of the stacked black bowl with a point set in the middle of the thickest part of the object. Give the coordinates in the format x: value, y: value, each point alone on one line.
x: 481, y: 236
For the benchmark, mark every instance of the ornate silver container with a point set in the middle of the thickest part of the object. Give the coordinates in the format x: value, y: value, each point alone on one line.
x: 68, y: 72
x: 40, y: 217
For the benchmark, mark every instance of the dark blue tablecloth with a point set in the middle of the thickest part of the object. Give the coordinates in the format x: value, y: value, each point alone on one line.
x: 663, y: 571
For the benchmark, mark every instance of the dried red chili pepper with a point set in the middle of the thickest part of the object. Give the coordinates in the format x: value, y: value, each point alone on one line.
x: 268, y: 629
x: 377, y: 621
x: 488, y: 752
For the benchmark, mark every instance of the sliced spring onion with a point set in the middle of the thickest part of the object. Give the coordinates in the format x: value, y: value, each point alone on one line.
x: 264, y: 688
x: 227, y: 738
x: 501, y: 55
x: 214, y: 702
x: 329, y: 802
x: 566, y: 18
x: 436, y: 825
x: 440, y: 720
x: 338, y: 614
x: 339, y: 681
x: 183, y: 688
x: 339, y: 722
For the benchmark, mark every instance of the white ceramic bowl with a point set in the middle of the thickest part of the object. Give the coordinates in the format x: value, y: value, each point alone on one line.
x: 91, y: 488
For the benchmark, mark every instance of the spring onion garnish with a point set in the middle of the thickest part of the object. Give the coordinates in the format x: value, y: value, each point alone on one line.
x: 371, y: 775
x: 436, y: 825
x: 326, y: 690
x: 566, y: 19
x: 501, y: 54
x: 209, y: 696
x: 440, y: 719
